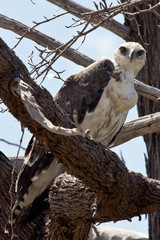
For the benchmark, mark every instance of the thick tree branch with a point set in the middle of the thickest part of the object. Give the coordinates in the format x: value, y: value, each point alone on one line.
x: 147, y: 91
x: 141, y: 194
x: 65, y: 186
x: 127, y: 194
x: 144, y: 125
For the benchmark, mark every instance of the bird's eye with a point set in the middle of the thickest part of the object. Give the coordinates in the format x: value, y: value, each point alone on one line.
x: 123, y: 50
x: 140, y: 53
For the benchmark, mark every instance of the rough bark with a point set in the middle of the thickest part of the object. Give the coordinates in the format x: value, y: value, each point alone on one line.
x: 145, y: 30
x: 65, y: 189
x: 127, y: 194
x: 63, y: 219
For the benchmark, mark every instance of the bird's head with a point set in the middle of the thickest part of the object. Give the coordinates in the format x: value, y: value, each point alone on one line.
x: 130, y: 55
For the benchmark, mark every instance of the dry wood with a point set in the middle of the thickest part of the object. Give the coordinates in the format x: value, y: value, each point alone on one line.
x: 139, y: 127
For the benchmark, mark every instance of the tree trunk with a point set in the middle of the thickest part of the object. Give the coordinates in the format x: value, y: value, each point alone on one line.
x: 145, y: 30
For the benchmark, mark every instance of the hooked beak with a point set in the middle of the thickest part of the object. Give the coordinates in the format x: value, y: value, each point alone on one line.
x: 132, y: 56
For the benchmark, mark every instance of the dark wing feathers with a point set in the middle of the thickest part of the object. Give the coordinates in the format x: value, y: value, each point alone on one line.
x: 83, y: 91
x: 42, y: 161
x: 33, y: 151
x: 88, y: 107
x: 39, y: 205
x: 82, y: 109
x: 93, y: 104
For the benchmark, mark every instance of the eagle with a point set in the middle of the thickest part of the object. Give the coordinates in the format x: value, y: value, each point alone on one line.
x: 101, y: 103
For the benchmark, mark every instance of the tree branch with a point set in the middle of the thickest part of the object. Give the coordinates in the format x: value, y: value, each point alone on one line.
x: 43, y: 40
x: 12, y: 144
x: 144, y: 125
x: 78, y: 10
x: 147, y: 91
x: 141, y: 194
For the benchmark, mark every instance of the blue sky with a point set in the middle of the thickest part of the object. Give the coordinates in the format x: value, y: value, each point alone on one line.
x: 97, y: 44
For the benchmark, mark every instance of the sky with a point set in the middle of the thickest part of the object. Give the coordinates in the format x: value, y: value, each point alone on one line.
x: 97, y: 44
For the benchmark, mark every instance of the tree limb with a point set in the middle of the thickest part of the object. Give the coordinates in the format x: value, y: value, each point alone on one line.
x: 12, y: 144
x: 147, y: 91
x: 78, y: 10
x: 144, y: 125
x: 140, y: 194
x: 43, y: 40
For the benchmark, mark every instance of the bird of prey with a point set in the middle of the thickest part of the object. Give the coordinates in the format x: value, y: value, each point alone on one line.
x: 101, y: 102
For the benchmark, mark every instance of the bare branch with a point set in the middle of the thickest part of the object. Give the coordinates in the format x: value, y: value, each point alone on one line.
x: 119, y: 8
x: 38, y: 24
x: 43, y: 40
x: 147, y: 91
x: 150, y: 9
x: 12, y: 144
x: 144, y: 125
x: 61, y: 49
x: 54, y: 55
x: 79, y: 11
x: 2, y: 110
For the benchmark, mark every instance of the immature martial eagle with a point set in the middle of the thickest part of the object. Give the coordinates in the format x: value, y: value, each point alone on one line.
x: 101, y: 106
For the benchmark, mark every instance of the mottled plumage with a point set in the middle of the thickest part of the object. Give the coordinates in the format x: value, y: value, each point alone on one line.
x: 101, y: 100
